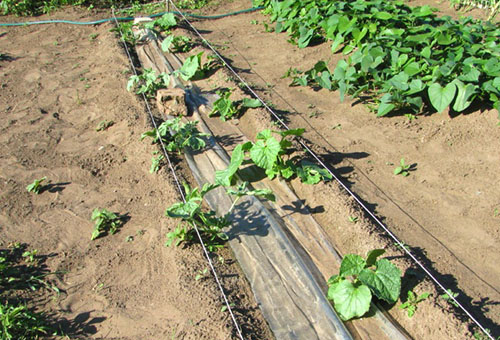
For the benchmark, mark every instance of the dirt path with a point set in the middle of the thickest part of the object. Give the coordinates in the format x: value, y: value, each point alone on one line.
x: 58, y: 82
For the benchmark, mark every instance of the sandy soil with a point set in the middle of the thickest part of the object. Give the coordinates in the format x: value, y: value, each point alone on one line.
x: 58, y: 82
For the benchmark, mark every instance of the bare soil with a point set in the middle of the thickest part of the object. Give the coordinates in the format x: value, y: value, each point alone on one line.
x: 58, y: 82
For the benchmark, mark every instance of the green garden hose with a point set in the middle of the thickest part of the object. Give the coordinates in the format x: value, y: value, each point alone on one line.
x: 97, y: 22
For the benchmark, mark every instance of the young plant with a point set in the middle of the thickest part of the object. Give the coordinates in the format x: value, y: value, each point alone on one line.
x: 178, y: 135
x: 105, y: 221
x: 104, y: 125
x: 403, y: 169
x: 29, y: 256
x: 191, y: 213
x: 351, y: 290
x: 242, y: 190
x: 148, y: 82
x: 447, y: 297
x: 224, y: 107
x: 36, y: 186
x: 18, y: 322
x: 156, y: 163
x: 177, y: 43
x: 412, y: 301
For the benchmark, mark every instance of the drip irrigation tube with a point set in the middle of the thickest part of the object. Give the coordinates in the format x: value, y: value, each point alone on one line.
x: 101, y: 21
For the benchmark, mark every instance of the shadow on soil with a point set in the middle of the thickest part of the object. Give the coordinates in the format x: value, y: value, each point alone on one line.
x: 26, y: 280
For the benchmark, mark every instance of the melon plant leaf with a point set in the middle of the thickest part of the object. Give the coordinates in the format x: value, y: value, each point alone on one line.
x: 166, y: 21
x: 372, y: 256
x: 441, y: 97
x: 350, y: 300
x: 305, y: 36
x: 224, y: 177
x: 352, y: 264
x: 385, y: 281
x: 251, y: 103
x: 190, y: 66
x: 183, y: 210
x: 166, y: 43
x: 382, y: 15
x: 311, y: 173
x: 324, y: 80
x: 464, y: 96
x: 264, y: 152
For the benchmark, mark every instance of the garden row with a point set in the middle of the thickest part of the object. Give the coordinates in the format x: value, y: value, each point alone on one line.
x: 402, y: 59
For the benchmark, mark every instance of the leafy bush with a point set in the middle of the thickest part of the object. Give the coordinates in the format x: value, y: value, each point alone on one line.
x: 37, y: 7
x: 400, y: 57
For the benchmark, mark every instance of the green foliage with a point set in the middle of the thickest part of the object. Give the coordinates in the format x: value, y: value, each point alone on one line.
x: 104, y: 125
x: 156, y: 163
x: 163, y: 23
x: 178, y: 135
x: 351, y: 290
x: 403, y: 168
x: 273, y: 157
x: 227, y: 109
x: 105, y: 221
x: 447, y: 297
x: 412, y: 301
x: 19, y: 323
x: 177, y: 43
x: 400, y: 57
x: 224, y: 106
x: 192, y: 4
x: 191, y: 213
x: 208, y: 223
x: 37, y: 7
x: 148, y: 82
x: 36, y: 186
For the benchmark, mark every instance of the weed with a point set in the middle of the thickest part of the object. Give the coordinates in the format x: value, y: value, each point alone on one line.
x: 201, y: 273
x: 18, y: 322
x: 224, y: 307
x: 353, y: 219
x: 105, y: 221
x: 104, y: 125
x: 129, y: 238
x: 36, y: 186
x: 413, y: 300
x: 337, y: 126
x: 351, y: 290
x: 93, y: 36
x: 29, y: 256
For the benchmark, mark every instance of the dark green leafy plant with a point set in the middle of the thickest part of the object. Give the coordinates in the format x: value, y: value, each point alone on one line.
x: 227, y: 109
x: 156, y: 163
x: 178, y: 135
x: 18, y: 322
x: 36, y: 186
x: 208, y: 223
x: 403, y: 58
x: 105, y: 221
x: 273, y: 157
x: 351, y: 290
x: 179, y: 43
x: 412, y: 301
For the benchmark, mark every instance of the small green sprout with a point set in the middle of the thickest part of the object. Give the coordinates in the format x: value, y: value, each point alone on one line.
x: 403, y: 169
x: 36, y: 186
x: 411, y: 303
x: 105, y: 220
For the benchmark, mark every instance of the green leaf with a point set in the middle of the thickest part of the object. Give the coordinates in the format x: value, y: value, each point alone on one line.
x: 465, y: 92
x: 305, y: 36
x: 190, y: 66
x: 384, y: 108
x: 385, y: 281
x: 251, y: 103
x: 224, y: 177
x: 311, y: 173
x: 352, y: 264
x: 166, y: 21
x: 350, y: 300
x: 264, y: 153
x: 324, y: 80
x: 382, y: 15
x: 166, y: 43
x: 372, y: 255
x: 183, y: 210
x: 441, y: 97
